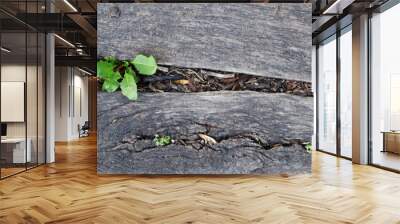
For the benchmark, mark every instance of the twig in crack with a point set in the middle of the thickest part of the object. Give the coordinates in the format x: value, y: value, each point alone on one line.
x: 207, y: 139
x: 154, y: 89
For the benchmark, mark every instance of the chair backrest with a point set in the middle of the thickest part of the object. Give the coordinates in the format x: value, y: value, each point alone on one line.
x: 86, y: 125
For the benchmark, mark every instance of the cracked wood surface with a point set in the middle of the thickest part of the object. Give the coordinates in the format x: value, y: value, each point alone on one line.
x: 261, y: 39
x: 255, y: 133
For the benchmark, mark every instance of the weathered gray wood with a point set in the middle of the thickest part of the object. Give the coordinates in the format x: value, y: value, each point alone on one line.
x: 262, y: 39
x: 231, y: 158
x: 247, y: 126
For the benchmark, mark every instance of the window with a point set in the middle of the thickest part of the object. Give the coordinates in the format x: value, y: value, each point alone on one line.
x: 327, y: 95
x: 334, y: 106
x: 385, y: 89
x: 22, y: 101
x: 346, y: 92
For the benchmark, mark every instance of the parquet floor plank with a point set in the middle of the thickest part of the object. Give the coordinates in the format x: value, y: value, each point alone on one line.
x: 70, y: 191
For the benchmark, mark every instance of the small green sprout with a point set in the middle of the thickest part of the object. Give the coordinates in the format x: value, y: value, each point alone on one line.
x: 162, y: 140
x: 308, y: 146
x: 115, y: 74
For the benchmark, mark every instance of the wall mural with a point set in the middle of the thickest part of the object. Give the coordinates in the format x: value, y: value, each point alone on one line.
x: 204, y: 88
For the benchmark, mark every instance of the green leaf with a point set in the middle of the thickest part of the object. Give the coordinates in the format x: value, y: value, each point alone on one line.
x: 131, y: 72
x: 128, y: 86
x: 111, y: 59
x: 105, y: 71
x: 308, y: 146
x: 110, y: 85
x: 145, y: 65
x: 126, y: 64
x: 162, y: 140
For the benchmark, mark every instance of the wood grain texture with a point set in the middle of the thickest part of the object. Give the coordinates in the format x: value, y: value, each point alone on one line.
x: 262, y: 39
x: 70, y: 191
x: 257, y: 133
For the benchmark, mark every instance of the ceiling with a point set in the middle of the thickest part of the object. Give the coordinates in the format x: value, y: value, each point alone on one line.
x: 332, y: 15
x: 75, y: 22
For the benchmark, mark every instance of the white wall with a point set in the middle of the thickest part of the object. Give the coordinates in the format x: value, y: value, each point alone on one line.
x: 62, y: 81
x: 9, y: 73
x: 80, y: 109
x: 17, y: 73
x: 71, y: 109
x: 33, y: 126
x: 13, y: 73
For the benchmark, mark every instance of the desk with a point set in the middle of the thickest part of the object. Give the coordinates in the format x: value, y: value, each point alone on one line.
x: 391, y: 141
x: 13, y: 150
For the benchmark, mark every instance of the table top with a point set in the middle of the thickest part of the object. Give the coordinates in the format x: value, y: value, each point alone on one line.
x: 13, y: 140
x: 391, y: 132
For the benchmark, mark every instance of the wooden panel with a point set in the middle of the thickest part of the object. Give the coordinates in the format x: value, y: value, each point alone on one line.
x: 255, y: 133
x: 260, y: 132
x: 392, y: 142
x: 262, y: 39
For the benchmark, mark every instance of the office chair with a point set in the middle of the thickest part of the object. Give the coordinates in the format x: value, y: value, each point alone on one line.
x: 84, y: 130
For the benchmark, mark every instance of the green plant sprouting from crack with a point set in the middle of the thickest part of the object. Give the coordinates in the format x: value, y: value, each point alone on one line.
x: 308, y: 146
x: 162, y: 140
x: 115, y: 74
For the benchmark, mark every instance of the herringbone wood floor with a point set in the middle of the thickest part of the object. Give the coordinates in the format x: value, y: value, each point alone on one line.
x: 70, y: 191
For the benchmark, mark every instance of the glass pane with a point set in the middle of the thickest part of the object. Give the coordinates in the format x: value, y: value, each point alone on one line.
x: 22, y: 88
x: 41, y: 99
x: 346, y: 94
x: 13, y: 87
x: 327, y: 96
x: 32, y: 88
x: 32, y: 98
x: 385, y: 84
